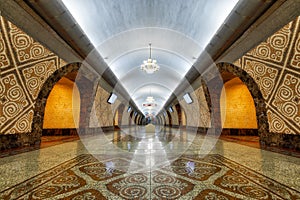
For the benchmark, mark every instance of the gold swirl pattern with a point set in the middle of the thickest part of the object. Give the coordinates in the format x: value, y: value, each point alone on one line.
x: 138, y: 178
x: 167, y: 192
x: 14, y: 100
x: 34, y: 63
x: 99, y: 172
x: 234, y: 182
x: 277, y: 60
x: 295, y: 61
x: 22, y: 41
x: 201, y: 171
x: 67, y: 181
x: 287, y: 99
x: 161, y: 178
x: 23, y: 124
x: 26, y: 48
x: 214, y: 194
x: 133, y: 192
x: 89, y: 194
x: 263, y: 76
x: 256, y: 193
x: 36, y: 75
x: 11, y: 109
x: 275, y: 47
x: 4, y: 61
x: 279, y: 41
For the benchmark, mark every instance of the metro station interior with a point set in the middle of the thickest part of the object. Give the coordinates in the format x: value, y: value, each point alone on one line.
x: 149, y: 99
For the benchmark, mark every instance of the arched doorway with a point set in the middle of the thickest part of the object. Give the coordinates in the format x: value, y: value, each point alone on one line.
x: 259, y: 102
x: 238, y: 113
x: 62, y: 110
x: 183, y: 119
x: 169, y: 118
x: 38, y: 117
x: 118, y: 116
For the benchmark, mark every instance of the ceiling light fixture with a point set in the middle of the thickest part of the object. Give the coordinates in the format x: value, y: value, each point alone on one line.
x: 150, y: 99
x: 149, y: 66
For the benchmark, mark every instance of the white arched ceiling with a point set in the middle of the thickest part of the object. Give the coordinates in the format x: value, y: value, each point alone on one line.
x: 178, y: 31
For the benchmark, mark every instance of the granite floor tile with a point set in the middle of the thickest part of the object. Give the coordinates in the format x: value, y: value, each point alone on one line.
x: 150, y: 168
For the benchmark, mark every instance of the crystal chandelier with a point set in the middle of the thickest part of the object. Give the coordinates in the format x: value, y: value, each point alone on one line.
x: 149, y: 66
x: 150, y: 99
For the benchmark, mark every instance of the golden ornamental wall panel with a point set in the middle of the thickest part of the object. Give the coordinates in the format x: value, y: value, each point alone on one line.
x: 264, y: 75
x: 277, y: 124
x: 25, y: 65
x: 287, y: 99
x: 276, y: 46
x: 13, y: 99
x: 24, y: 47
x: 4, y: 61
x: 23, y: 124
x: 274, y: 65
x: 295, y: 60
x: 103, y: 112
x: 204, y: 118
x: 36, y: 75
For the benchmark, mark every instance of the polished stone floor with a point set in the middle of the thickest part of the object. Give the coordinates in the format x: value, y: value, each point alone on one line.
x: 141, y: 164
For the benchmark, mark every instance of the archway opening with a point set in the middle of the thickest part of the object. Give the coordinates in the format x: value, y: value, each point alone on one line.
x: 62, y: 108
x: 116, y: 119
x: 237, y: 106
x: 183, y: 119
x: 241, y: 103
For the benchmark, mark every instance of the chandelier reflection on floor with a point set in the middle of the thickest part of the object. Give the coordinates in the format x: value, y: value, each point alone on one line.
x: 149, y: 66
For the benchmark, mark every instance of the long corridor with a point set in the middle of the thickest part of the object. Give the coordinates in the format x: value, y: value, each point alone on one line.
x: 140, y: 164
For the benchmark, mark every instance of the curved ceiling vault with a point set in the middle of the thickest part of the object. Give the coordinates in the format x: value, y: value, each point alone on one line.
x: 178, y: 31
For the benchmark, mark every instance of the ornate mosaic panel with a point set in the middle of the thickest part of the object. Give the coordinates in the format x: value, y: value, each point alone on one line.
x: 102, y: 112
x: 25, y: 49
x: 174, y: 116
x: 201, y: 119
x: 204, y: 118
x: 188, y: 177
x: 264, y: 75
x: 277, y: 124
x: 25, y: 65
x: 276, y: 47
x: 275, y: 66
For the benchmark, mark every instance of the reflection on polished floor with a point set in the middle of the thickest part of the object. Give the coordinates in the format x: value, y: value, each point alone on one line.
x: 140, y: 164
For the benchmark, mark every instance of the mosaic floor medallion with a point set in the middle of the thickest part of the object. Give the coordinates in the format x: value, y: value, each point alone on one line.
x: 189, y: 177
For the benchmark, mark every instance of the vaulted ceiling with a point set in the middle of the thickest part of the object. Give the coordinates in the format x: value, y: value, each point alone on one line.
x: 178, y: 31
x: 120, y: 31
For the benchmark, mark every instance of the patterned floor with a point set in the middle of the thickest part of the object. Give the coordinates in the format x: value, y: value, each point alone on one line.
x: 168, y: 164
x: 189, y: 177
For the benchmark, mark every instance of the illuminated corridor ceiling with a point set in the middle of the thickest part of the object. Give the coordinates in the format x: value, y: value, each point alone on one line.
x: 178, y: 31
